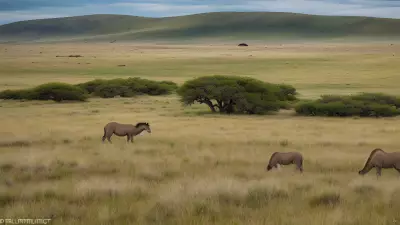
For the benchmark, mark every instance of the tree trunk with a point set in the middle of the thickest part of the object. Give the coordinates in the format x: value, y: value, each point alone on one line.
x: 210, y: 104
x: 229, y: 107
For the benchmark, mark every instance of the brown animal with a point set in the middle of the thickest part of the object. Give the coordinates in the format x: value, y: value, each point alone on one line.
x: 286, y: 158
x: 128, y: 130
x: 381, y: 159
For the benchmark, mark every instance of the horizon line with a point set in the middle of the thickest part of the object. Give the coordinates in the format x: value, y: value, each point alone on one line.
x: 193, y: 14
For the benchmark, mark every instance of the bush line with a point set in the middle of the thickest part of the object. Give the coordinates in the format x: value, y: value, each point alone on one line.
x: 58, y: 92
x: 362, y: 105
x: 222, y: 94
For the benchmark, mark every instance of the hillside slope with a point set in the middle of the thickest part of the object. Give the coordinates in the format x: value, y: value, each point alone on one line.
x: 252, y: 25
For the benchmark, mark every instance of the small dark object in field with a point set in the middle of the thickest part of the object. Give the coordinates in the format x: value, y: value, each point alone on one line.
x: 381, y: 160
x: 128, y: 130
x: 286, y: 158
x: 243, y: 44
x: 121, y: 65
x: 113, y: 41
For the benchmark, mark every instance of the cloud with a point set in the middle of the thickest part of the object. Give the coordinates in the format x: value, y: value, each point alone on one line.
x: 14, y: 10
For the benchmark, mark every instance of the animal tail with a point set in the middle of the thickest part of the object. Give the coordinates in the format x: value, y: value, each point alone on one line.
x: 371, y: 155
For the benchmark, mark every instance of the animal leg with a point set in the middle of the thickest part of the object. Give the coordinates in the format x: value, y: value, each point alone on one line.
x: 104, y: 135
x: 299, y: 166
x: 397, y: 167
x: 128, y: 137
x: 378, y: 171
x: 278, y: 167
x: 109, y: 139
x: 131, y: 138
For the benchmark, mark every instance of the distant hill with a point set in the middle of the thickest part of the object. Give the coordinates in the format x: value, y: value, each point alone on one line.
x: 219, y: 25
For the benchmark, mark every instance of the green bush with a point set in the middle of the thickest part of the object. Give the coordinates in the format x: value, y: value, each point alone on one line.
x: 16, y: 94
x: 127, y: 87
x: 51, y: 91
x: 58, y: 92
x: 91, y: 86
x: 363, y: 105
x: 378, y: 98
x: 233, y: 94
x: 111, y: 90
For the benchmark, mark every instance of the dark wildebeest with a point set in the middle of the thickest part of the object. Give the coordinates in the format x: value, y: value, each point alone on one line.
x: 381, y: 159
x: 128, y: 130
x: 286, y: 158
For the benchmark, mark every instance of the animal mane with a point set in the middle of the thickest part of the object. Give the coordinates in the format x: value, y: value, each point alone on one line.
x: 372, y: 154
x: 272, y: 156
x: 141, y: 123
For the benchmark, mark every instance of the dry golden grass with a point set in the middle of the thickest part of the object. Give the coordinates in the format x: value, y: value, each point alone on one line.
x: 194, y: 168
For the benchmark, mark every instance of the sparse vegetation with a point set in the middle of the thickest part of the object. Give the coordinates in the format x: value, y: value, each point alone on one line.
x: 363, y: 105
x: 195, y: 168
x: 325, y: 199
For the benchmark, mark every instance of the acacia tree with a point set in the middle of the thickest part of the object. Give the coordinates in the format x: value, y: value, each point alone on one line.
x: 233, y: 94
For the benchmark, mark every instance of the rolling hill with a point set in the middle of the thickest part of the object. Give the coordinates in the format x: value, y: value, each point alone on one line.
x: 219, y: 25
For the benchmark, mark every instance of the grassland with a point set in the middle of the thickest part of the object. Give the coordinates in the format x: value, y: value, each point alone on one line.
x: 221, y: 26
x: 195, y: 168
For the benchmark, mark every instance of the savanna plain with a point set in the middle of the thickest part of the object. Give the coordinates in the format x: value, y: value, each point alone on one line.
x: 195, y: 167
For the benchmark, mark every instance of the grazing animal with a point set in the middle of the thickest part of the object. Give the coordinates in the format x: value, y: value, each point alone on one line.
x: 381, y: 159
x: 285, y: 158
x: 128, y: 130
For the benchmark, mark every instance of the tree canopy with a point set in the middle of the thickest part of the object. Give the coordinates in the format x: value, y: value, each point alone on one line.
x: 233, y: 94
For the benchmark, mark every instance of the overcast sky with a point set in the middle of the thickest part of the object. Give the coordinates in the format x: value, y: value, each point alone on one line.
x: 16, y: 10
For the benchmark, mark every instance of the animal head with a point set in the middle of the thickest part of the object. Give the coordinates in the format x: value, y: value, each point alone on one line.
x: 146, y: 126
x: 361, y: 172
x: 269, y: 167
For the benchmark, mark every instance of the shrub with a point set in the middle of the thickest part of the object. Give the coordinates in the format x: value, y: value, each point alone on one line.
x: 378, y: 98
x: 16, y: 94
x: 111, y: 90
x: 50, y: 91
x: 127, y: 87
x: 59, y: 92
x: 232, y: 94
x: 91, y: 86
x: 363, y: 105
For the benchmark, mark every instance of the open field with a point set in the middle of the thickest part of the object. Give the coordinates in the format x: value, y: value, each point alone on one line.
x: 195, y: 168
